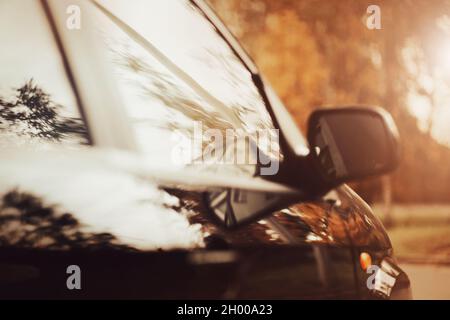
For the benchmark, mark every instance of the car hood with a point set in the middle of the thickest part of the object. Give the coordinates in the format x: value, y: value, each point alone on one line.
x: 88, y: 196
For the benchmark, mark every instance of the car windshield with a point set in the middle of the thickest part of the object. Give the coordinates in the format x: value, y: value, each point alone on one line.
x: 190, y: 98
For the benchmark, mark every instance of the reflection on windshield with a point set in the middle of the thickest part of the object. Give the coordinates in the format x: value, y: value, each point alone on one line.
x: 174, y: 74
x: 31, y: 113
x: 37, y: 103
x: 157, y: 85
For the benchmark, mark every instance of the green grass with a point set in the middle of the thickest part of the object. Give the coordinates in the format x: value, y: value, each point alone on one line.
x: 416, y: 214
x: 419, y: 231
x: 421, y: 242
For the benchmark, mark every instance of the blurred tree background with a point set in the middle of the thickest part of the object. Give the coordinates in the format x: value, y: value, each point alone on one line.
x: 321, y: 53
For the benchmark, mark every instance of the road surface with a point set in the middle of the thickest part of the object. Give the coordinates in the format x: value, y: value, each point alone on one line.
x: 429, y: 281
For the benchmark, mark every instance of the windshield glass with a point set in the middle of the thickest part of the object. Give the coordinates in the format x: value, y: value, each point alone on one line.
x: 190, y: 98
x: 37, y: 105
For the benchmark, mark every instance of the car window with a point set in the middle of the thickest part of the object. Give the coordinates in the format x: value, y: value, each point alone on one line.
x: 37, y: 103
x: 179, y: 80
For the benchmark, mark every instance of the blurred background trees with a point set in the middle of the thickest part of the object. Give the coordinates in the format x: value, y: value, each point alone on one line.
x: 321, y: 53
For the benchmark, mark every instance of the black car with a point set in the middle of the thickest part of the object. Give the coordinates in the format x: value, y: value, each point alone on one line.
x: 107, y: 192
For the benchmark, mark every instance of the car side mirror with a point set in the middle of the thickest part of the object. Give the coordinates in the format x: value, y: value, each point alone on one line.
x: 345, y: 144
x: 352, y: 143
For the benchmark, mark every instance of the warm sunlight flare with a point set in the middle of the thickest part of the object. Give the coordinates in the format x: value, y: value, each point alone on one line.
x: 428, y: 62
